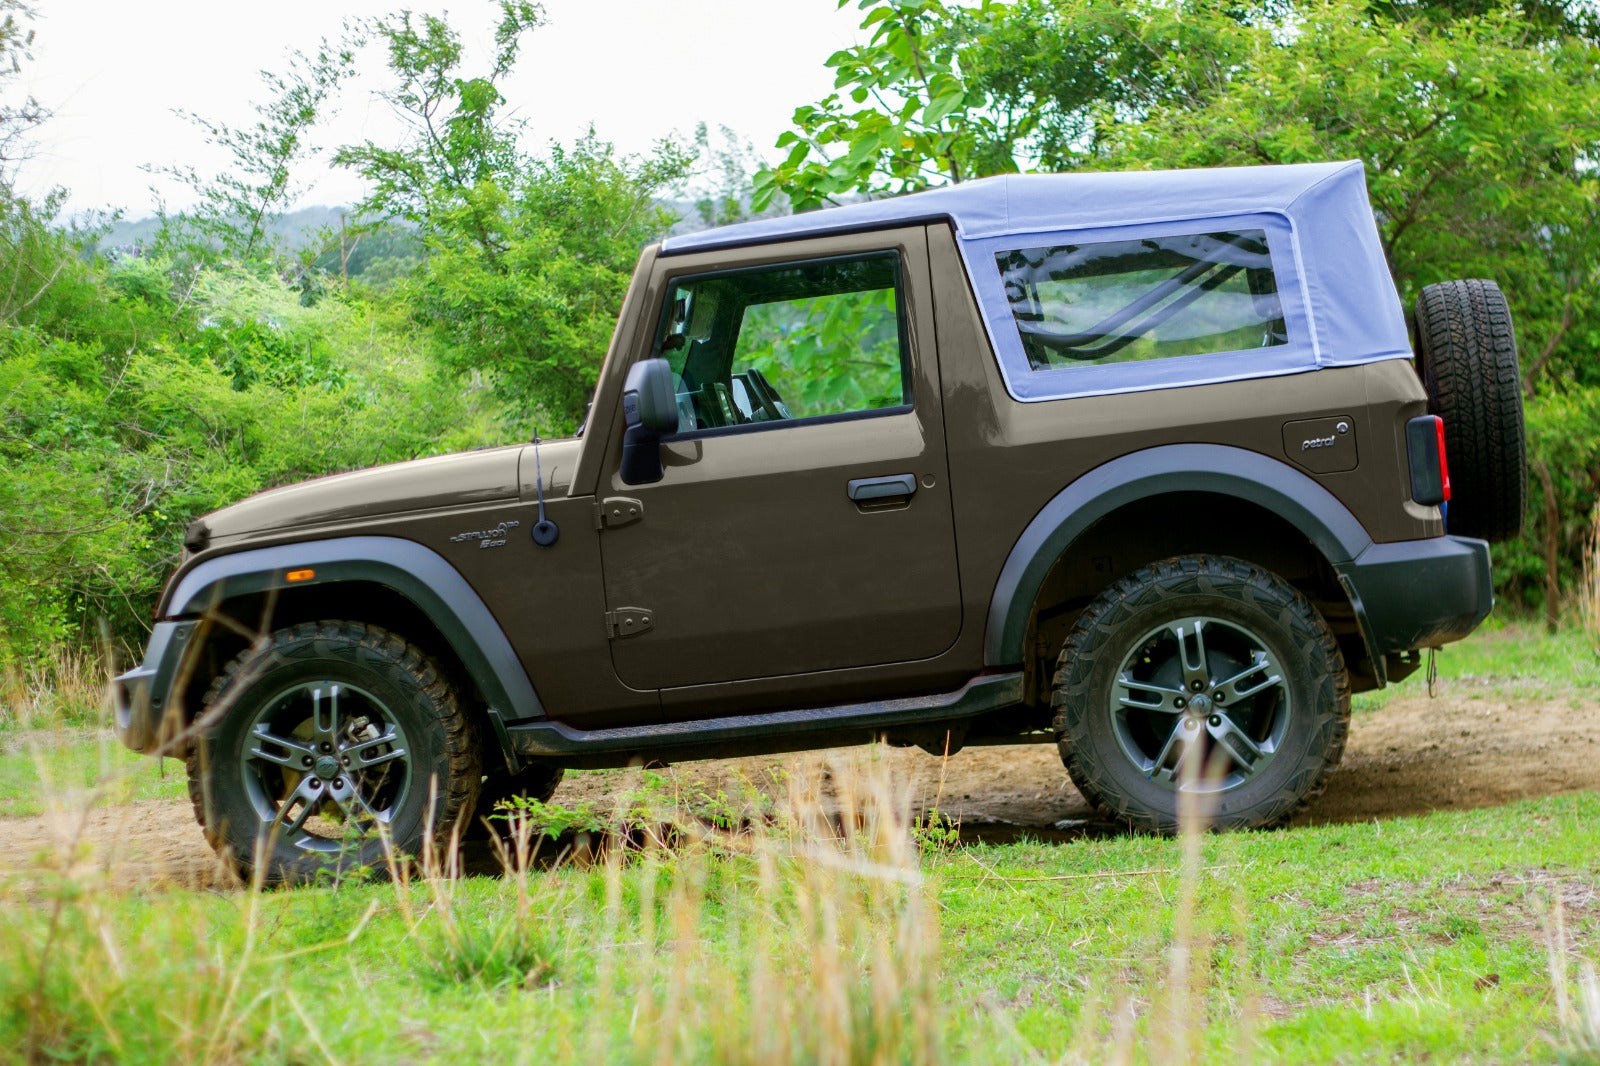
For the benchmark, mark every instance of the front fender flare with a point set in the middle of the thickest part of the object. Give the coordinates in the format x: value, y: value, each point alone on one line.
x: 418, y: 573
x: 1217, y: 468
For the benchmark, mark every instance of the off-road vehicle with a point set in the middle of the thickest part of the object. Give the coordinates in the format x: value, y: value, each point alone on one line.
x: 1143, y: 465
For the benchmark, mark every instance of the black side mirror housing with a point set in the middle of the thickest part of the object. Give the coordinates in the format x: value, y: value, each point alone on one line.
x: 650, y: 409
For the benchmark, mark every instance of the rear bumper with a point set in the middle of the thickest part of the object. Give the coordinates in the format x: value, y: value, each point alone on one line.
x: 1419, y: 593
x: 142, y: 719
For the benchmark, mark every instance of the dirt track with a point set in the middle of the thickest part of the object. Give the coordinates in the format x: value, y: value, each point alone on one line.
x: 1471, y: 747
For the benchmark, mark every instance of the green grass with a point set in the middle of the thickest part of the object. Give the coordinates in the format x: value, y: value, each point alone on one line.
x: 37, y: 765
x: 1513, y: 658
x: 1453, y: 937
x: 1418, y: 937
x: 1521, y: 652
x: 1421, y: 938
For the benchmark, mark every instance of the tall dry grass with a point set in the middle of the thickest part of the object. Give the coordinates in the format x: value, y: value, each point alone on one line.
x: 800, y: 932
x: 66, y: 691
x: 1577, y: 999
x: 803, y: 933
x: 1589, y: 586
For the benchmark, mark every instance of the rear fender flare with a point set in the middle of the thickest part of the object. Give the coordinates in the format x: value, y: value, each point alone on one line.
x: 1227, y: 471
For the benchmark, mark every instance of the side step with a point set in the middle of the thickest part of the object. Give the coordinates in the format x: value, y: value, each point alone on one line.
x: 756, y: 734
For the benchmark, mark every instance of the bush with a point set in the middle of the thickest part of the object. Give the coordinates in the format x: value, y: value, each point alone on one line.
x: 1564, y: 475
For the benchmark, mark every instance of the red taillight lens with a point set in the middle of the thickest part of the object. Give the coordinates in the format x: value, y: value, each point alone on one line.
x: 1444, y: 459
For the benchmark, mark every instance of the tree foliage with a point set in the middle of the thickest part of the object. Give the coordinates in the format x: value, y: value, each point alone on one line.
x: 526, y: 256
x: 1478, y: 122
x: 17, y: 119
x: 901, y: 117
x: 234, y: 209
x: 139, y: 389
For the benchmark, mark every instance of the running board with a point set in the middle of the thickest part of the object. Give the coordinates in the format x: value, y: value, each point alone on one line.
x: 819, y: 727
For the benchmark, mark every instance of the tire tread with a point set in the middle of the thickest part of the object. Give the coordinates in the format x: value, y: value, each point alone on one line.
x: 1096, y: 630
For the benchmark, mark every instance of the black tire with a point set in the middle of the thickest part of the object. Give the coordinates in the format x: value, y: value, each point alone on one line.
x: 1467, y: 356
x: 320, y: 732
x: 535, y: 781
x: 1269, y: 671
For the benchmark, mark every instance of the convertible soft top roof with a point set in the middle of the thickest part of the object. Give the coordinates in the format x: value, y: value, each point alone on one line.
x: 1317, y: 215
x: 1033, y: 203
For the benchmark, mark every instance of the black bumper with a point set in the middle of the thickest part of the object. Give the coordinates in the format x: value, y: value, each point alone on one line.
x: 1419, y: 593
x: 142, y: 718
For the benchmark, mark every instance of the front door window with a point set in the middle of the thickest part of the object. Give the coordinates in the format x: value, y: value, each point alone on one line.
x: 801, y: 341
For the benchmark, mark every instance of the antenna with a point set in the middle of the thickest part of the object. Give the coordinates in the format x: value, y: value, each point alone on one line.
x: 545, y: 532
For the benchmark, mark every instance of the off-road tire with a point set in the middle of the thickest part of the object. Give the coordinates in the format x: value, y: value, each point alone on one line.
x: 1242, y: 599
x: 1467, y: 356
x: 442, y: 751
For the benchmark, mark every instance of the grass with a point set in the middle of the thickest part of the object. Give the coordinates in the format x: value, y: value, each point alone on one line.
x: 1512, y: 658
x: 803, y: 928
x: 40, y: 767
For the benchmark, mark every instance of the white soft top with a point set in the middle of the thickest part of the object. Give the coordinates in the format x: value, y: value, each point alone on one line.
x: 1325, y: 247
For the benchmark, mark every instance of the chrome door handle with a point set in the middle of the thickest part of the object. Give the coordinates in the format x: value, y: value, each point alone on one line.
x: 878, y: 488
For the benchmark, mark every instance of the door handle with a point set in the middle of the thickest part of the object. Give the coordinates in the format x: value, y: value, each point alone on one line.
x: 879, y: 488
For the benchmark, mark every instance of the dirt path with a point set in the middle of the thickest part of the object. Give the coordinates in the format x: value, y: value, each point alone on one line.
x: 1472, y: 747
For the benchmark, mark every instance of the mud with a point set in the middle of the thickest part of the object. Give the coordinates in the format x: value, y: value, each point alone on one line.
x: 1473, y: 747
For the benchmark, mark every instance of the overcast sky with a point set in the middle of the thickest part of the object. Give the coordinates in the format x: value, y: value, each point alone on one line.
x: 114, y: 71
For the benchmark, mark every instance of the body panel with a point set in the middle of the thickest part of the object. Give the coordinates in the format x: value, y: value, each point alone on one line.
x: 1173, y: 468
x: 422, y: 484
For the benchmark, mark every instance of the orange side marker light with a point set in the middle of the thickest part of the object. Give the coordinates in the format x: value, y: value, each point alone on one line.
x: 301, y: 575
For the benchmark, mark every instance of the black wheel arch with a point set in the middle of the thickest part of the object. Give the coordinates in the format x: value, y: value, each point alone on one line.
x: 1079, y: 542
x: 403, y: 586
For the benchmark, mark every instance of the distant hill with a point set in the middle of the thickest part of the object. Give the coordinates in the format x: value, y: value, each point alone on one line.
x: 298, y: 229
x: 305, y: 228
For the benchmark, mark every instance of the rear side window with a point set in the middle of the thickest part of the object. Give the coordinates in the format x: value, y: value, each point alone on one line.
x: 1147, y: 298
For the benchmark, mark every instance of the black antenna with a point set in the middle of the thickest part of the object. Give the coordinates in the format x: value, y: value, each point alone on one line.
x: 545, y: 532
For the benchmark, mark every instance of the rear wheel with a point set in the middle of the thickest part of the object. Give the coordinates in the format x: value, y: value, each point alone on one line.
x: 333, y: 742
x: 1203, y: 674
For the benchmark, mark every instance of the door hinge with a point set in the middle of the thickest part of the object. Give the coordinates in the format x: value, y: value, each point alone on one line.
x: 628, y: 622
x: 617, y: 511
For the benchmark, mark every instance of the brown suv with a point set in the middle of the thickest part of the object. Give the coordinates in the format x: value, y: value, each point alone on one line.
x: 1135, y: 464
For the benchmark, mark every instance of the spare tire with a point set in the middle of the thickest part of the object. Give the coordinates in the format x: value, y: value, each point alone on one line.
x: 1467, y: 356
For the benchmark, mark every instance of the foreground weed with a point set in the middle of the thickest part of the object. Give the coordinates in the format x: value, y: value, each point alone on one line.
x: 1589, y: 585
x: 486, y: 946
x: 68, y: 690
x: 810, y: 937
x: 80, y: 982
x: 1577, y: 1002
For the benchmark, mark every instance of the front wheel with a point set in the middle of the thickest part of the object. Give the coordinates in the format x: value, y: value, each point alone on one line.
x: 333, y: 742
x: 1206, y: 674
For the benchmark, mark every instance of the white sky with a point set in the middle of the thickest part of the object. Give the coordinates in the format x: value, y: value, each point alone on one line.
x: 113, y: 72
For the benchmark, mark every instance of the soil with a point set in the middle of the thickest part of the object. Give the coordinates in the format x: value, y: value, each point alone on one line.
x: 1474, y: 746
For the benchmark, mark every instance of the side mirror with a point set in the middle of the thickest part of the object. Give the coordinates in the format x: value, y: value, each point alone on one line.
x: 650, y: 409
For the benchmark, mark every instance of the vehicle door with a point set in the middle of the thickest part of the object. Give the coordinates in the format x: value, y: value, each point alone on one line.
x: 802, y: 522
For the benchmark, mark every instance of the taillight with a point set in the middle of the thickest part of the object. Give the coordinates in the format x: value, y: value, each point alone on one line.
x: 1430, y: 470
x: 1444, y: 458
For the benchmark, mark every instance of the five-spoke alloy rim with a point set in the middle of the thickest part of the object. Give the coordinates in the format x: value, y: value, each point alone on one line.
x: 325, y: 763
x: 1200, y: 703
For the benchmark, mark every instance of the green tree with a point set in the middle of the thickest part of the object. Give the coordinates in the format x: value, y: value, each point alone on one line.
x: 235, y: 209
x: 526, y: 257
x: 903, y: 116
x: 17, y: 120
x: 1479, y: 129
